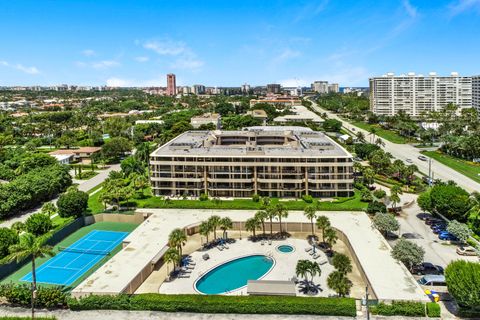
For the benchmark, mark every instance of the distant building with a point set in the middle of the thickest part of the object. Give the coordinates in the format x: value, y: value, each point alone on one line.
x: 198, y: 89
x: 245, y: 88
x: 83, y: 154
x: 171, y: 85
x: 274, y: 88
x: 258, y: 114
x: 476, y: 93
x: 283, y: 101
x: 206, y: 118
x: 320, y: 86
x: 300, y: 114
x: 417, y: 94
x: 333, y: 87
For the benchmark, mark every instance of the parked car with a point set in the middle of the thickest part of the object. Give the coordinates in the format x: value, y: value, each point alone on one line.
x: 438, y: 224
x: 433, y: 280
x: 423, y: 158
x: 409, y: 161
x: 427, y: 268
x: 431, y: 221
x: 445, y: 235
x: 438, y: 230
x: 467, y: 251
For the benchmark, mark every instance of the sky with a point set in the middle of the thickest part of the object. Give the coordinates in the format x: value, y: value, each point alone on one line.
x: 229, y: 42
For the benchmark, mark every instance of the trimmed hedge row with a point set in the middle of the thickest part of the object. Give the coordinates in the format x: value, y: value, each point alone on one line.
x: 433, y: 310
x: 218, y: 304
x: 400, y: 308
x: 20, y: 294
x: 27, y: 318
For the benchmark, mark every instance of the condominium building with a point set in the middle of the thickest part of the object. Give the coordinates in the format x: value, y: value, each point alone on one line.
x: 274, y: 88
x: 320, y: 86
x: 171, y: 85
x: 333, y: 87
x: 417, y: 94
x: 206, y: 118
x: 476, y: 93
x: 268, y: 161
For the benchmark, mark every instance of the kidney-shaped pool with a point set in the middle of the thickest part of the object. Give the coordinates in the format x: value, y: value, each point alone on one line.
x: 234, y: 274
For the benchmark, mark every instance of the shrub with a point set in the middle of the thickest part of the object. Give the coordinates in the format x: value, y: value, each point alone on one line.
x: 72, y: 204
x: 379, y: 193
x: 7, y: 238
x: 376, y: 206
x: 256, y: 198
x: 400, y: 308
x: 433, y: 310
x: 38, y: 224
x: 218, y: 304
x: 203, y: 197
x: 20, y: 294
x: 463, y: 282
x: 307, y: 198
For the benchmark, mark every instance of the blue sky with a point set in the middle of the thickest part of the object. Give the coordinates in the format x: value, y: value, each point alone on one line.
x: 227, y: 43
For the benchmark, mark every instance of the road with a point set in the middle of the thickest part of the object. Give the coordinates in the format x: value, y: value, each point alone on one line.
x: 407, y: 151
x: 83, y: 185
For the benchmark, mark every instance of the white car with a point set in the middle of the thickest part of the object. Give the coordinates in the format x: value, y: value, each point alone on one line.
x: 409, y: 160
x: 467, y: 251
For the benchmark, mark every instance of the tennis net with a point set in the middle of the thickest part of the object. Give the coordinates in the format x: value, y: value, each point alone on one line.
x: 86, y: 251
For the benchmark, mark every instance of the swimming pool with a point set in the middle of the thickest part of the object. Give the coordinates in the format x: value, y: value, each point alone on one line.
x: 234, y: 274
x: 285, y: 248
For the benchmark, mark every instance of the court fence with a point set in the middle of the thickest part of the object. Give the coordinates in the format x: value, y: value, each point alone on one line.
x: 57, y: 236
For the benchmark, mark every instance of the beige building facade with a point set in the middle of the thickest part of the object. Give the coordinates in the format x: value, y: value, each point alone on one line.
x: 285, y: 162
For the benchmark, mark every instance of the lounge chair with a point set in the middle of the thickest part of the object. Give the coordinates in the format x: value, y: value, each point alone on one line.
x: 192, y: 263
x: 322, y: 261
x: 184, y: 275
x: 185, y: 270
x: 226, y: 246
x: 269, y: 242
x: 307, y: 250
x: 220, y: 247
x: 189, y: 267
x: 315, y: 256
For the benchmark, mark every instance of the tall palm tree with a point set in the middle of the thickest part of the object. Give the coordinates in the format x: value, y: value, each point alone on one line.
x: 214, y: 222
x: 171, y: 256
x: 379, y: 142
x: 360, y: 136
x: 302, y: 268
x: 330, y: 236
x: 205, y: 228
x: 265, y: 202
x: 314, y: 269
x: 395, y: 192
x: 177, y: 239
x: 261, y: 215
x: 252, y: 224
x: 373, y: 132
x: 33, y: 247
x: 311, y: 213
x: 338, y: 282
x: 280, y: 212
x: 323, y: 223
x: 225, y: 224
x: 271, y: 214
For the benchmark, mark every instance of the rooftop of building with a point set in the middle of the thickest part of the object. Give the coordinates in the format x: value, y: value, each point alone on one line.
x: 259, y: 141
x: 206, y: 116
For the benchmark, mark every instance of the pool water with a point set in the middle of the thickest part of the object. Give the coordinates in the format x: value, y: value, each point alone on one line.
x: 234, y: 274
x: 285, y: 248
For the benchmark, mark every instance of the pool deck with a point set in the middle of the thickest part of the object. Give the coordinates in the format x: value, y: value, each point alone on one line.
x: 389, y: 279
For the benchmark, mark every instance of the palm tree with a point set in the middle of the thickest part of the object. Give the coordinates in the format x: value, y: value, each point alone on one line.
x: 214, y: 222
x: 373, y: 132
x: 379, y: 142
x: 302, y: 268
x: 280, y: 212
x: 311, y: 213
x: 330, y: 236
x: 18, y: 227
x: 395, y: 192
x: 265, y: 202
x: 270, y: 215
x: 342, y: 263
x: 205, y: 228
x: 251, y: 225
x: 33, y: 247
x: 225, y: 224
x: 171, y: 256
x: 261, y: 215
x: 314, y: 269
x: 338, y: 282
x: 323, y: 223
x: 177, y: 239
x: 360, y: 136
x: 368, y: 175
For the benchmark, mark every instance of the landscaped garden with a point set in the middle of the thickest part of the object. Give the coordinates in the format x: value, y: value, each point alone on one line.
x: 467, y: 168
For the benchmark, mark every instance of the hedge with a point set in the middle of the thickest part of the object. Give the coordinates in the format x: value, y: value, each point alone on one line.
x: 27, y: 318
x: 218, y: 304
x: 400, y: 308
x: 433, y: 310
x: 20, y: 294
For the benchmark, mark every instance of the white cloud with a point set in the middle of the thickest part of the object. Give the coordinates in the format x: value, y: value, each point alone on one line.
x: 311, y: 10
x: 168, y: 47
x: 410, y: 9
x: 184, y: 57
x: 103, y: 64
x: 142, y: 59
x: 88, y: 52
x: 21, y: 67
x: 461, y: 6
x: 189, y: 62
x: 285, y: 55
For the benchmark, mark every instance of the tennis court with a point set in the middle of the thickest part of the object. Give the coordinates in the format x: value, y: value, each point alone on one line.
x: 72, y: 262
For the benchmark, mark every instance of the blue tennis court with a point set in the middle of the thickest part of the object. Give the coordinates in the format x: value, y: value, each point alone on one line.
x: 72, y: 262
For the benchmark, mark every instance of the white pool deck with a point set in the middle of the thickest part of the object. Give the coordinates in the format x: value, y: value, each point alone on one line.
x: 390, y: 280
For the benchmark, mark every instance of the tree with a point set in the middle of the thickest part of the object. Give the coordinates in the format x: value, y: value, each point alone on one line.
x: 395, y: 192
x: 33, y: 247
x: 322, y: 224
x: 450, y: 200
x: 280, y: 212
x: 310, y: 212
x: 264, y: 202
x: 424, y: 201
x: 49, y: 209
x: 409, y: 253
x: 368, y: 176
x: 460, y: 230
x: 261, y: 216
x: 252, y: 224
x: 463, y: 283
x: 330, y: 236
x: 116, y: 147
x: 342, y: 263
x: 385, y: 223
x: 301, y: 270
x: 338, y: 282
x: 177, y: 239
x: 379, y: 142
x: 38, y: 224
x: 131, y: 165
x: 171, y: 256
x: 270, y: 214
x: 205, y: 228
x: 72, y: 204
x: 225, y: 224
x: 18, y: 227
x: 376, y: 206
x: 114, y: 191
x: 8, y: 238
x: 214, y: 222
x: 332, y: 125
x: 224, y: 108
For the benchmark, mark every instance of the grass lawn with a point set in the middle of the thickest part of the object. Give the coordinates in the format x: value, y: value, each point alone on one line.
x: 466, y: 168
x: 383, y: 133
x: 110, y: 226
x: 94, y: 203
x: 339, y: 204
